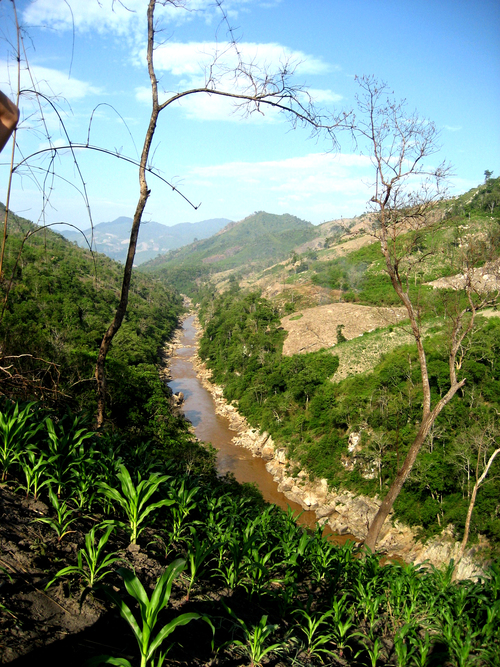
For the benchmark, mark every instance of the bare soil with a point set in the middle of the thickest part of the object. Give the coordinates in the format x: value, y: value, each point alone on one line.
x: 315, y: 328
x: 49, y: 627
x: 483, y: 279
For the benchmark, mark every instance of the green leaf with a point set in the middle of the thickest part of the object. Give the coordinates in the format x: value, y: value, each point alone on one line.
x: 135, y: 589
x: 184, y: 619
x: 125, y: 612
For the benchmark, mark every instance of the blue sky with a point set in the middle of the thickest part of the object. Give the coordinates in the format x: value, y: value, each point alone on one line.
x: 442, y: 56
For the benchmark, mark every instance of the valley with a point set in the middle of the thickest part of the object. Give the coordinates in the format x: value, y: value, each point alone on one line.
x: 311, y: 358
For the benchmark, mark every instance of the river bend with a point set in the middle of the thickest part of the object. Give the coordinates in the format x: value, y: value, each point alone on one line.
x: 199, y: 408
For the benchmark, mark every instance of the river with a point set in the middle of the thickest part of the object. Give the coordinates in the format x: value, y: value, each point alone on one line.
x: 199, y: 408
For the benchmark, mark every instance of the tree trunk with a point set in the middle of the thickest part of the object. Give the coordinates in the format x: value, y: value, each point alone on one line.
x: 470, y: 510
x: 396, y: 486
x: 134, y: 233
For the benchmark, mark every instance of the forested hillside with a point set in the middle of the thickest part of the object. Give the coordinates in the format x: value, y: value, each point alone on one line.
x: 298, y: 400
x: 57, y: 301
x: 257, y: 241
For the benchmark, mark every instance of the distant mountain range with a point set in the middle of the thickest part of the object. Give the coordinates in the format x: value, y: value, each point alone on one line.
x: 260, y: 240
x: 111, y: 238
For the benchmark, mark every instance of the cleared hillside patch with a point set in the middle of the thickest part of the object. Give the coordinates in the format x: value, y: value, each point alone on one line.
x: 318, y: 327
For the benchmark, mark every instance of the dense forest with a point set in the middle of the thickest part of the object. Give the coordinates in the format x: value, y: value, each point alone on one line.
x: 57, y: 300
x: 294, y: 399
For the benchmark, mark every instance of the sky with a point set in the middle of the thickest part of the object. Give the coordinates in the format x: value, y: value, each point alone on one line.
x: 87, y: 57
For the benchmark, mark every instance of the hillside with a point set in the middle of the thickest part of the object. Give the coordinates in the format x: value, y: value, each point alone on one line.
x: 60, y: 300
x: 111, y: 238
x: 240, y: 570
x: 269, y: 339
x: 253, y: 243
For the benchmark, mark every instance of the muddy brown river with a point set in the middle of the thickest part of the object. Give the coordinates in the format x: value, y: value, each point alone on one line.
x: 199, y: 408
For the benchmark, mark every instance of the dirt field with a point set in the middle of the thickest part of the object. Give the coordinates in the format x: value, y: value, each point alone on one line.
x: 314, y: 328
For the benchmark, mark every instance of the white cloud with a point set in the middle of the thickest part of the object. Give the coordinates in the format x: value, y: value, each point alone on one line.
x: 452, y: 128
x: 298, y: 178
x: 193, y: 59
x: 199, y: 64
x: 50, y: 82
x: 318, y: 95
x: 121, y: 17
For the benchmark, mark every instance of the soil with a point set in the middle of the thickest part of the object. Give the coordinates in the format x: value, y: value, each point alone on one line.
x: 483, y: 279
x: 49, y: 627
x: 315, y: 328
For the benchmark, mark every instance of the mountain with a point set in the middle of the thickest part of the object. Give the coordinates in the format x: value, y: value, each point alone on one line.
x: 111, y: 238
x: 258, y: 240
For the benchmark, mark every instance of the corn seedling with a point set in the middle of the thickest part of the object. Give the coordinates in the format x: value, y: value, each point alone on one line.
x: 232, y: 568
x: 294, y: 551
x: 258, y: 567
x: 254, y: 645
x: 66, y: 451
x: 148, y: 644
x: 323, y: 557
x: 197, y: 555
x: 34, y: 467
x: 64, y: 517
x: 373, y: 648
x: 15, y: 433
x: 458, y: 639
x: 182, y: 504
x: 370, y: 604
x: 93, y: 565
x: 134, y: 500
x: 403, y: 647
x: 317, y: 632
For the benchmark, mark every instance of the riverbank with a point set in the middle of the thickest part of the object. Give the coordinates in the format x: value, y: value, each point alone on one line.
x: 342, y: 511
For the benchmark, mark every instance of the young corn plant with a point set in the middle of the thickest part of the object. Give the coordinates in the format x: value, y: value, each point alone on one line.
x: 323, y: 556
x: 343, y: 624
x: 34, y: 467
x: 16, y: 432
x: 255, y: 646
x: 183, y: 503
x: 63, y: 519
x: 258, y: 567
x: 93, y: 564
x: 135, y: 500
x: 422, y: 644
x: 232, y: 566
x: 373, y: 648
x: 459, y: 638
x: 149, y: 643
x: 318, y: 633
x: 370, y: 604
x: 403, y: 647
x: 66, y: 451
x: 294, y: 552
x: 197, y: 560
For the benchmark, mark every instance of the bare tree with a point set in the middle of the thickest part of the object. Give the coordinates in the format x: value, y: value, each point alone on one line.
x: 253, y: 88
x: 482, y: 440
x: 407, y: 192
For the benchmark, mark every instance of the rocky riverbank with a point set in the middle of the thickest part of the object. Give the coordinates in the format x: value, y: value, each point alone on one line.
x: 343, y: 511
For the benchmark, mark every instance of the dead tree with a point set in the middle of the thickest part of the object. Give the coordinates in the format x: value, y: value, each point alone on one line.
x: 483, y: 439
x: 253, y: 89
x: 407, y: 192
